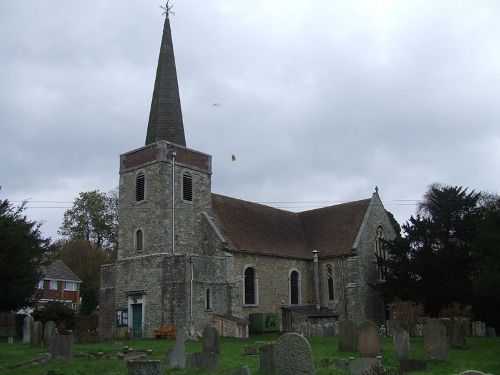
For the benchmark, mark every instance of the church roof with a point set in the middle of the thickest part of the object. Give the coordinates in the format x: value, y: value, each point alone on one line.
x: 259, y: 229
x: 165, y: 117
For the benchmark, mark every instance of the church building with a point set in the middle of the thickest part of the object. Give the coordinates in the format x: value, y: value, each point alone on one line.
x: 188, y: 256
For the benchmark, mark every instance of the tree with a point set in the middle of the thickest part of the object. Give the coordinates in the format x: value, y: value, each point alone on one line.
x: 22, y: 253
x: 432, y: 262
x: 94, y: 218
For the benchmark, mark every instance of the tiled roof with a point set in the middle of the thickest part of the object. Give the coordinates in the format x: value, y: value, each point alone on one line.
x: 259, y: 229
x: 57, y: 270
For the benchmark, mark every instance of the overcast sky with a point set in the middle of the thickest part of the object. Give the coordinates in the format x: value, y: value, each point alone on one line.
x: 320, y: 101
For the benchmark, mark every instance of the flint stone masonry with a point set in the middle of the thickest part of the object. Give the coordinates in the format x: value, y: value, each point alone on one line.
x: 293, y: 355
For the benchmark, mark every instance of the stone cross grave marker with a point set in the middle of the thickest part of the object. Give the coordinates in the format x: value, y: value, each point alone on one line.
x: 435, y: 340
x: 369, y: 340
x: 293, y: 355
x: 210, y: 339
x: 176, y: 356
x: 348, y: 336
x: 401, y: 340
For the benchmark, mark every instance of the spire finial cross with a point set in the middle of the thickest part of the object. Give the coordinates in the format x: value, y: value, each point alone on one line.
x: 167, y: 9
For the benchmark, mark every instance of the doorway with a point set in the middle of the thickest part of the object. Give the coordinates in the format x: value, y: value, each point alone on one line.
x: 137, y: 320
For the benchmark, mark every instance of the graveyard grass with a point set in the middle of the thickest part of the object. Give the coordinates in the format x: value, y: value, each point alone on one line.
x: 483, y: 354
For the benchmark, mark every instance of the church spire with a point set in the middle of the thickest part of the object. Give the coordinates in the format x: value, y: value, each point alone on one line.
x: 165, y: 116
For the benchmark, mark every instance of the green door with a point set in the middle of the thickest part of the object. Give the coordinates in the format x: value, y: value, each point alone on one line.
x: 137, y: 321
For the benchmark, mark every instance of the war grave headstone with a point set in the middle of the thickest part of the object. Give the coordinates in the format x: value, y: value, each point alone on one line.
x: 36, y: 335
x: 210, y: 339
x: 144, y: 367
x: 434, y: 334
x: 49, y: 330
x: 293, y: 355
x: 266, y: 358
x: 348, y: 336
x: 27, y: 324
x: 369, y: 339
x: 457, y: 336
x: 401, y: 341
x: 177, y: 356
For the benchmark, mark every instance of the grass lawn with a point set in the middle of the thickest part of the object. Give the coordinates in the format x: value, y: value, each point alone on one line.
x: 483, y: 354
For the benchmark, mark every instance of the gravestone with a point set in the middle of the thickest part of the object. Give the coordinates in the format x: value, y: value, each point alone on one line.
x: 204, y: 360
x: 348, y: 336
x: 7, y: 324
x: 243, y: 370
x: 210, y: 340
x: 144, y: 367
x: 491, y: 332
x: 176, y: 356
x: 61, y: 346
x: 49, y: 330
x: 293, y: 355
x: 10, y: 340
x: 369, y: 339
x: 435, y: 340
x: 361, y: 365
x: 478, y: 329
x: 266, y: 357
x: 412, y: 365
x: 472, y: 372
x: 457, y: 336
x: 401, y: 340
x: 27, y: 324
x: 36, y: 335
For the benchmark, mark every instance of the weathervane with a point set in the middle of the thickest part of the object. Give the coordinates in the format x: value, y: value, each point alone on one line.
x: 167, y: 9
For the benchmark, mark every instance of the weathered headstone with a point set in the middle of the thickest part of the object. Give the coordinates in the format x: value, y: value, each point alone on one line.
x: 491, y: 332
x: 361, y: 365
x: 472, y: 372
x: 210, y: 340
x: 61, y: 346
x: 435, y: 340
x: 176, y: 356
x: 7, y: 324
x: 204, y: 360
x: 10, y: 340
x: 412, y: 365
x: 478, y: 329
x: 243, y: 370
x: 293, y: 355
x: 36, y: 335
x: 27, y: 324
x: 457, y: 336
x: 266, y: 357
x: 369, y: 339
x: 401, y: 340
x: 144, y: 367
x: 49, y: 330
x: 348, y: 336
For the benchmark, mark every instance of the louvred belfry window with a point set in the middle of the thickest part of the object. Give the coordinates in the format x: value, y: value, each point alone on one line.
x: 139, y: 187
x: 187, y: 187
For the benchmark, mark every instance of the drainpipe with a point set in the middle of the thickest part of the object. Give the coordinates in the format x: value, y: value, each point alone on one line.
x: 191, y: 262
x: 172, y: 149
x: 343, y: 287
x: 316, y: 279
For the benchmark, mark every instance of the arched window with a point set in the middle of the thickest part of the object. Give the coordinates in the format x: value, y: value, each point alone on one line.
x: 380, y: 250
x: 329, y: 281
x: 140, y: 185
x: 208, y: 300
x: 294, y: 288
x: 250, y: 287
x: 139, y: 240
x: 187, y: 187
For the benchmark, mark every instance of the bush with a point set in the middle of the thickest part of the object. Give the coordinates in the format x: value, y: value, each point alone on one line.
x: 406, y: 314
x: 63, y: 316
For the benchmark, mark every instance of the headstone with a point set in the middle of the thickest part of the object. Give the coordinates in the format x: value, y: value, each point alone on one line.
x: 27, y: 324
x: 176, y: 356
x: 435, y: 340
x: 204, y: 360
x: 401, y: 340
x: 7, y: 324
x: 36, y: 335
x: 293, y: 355
x: 457, y: 336
x: 243, y: 370
x: 10, y: 340
x: 210, y: 340
x: 491, y: 332
x: 472, y: 372
x: 478, y: 329
x: 144, y: 367
x: 361, y: 365
x: 266, y: 357
x: 369, y: 339
x: 49, y: 330
x: 61, y: 346
x: 348, y: 336
x: 412, y: 365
